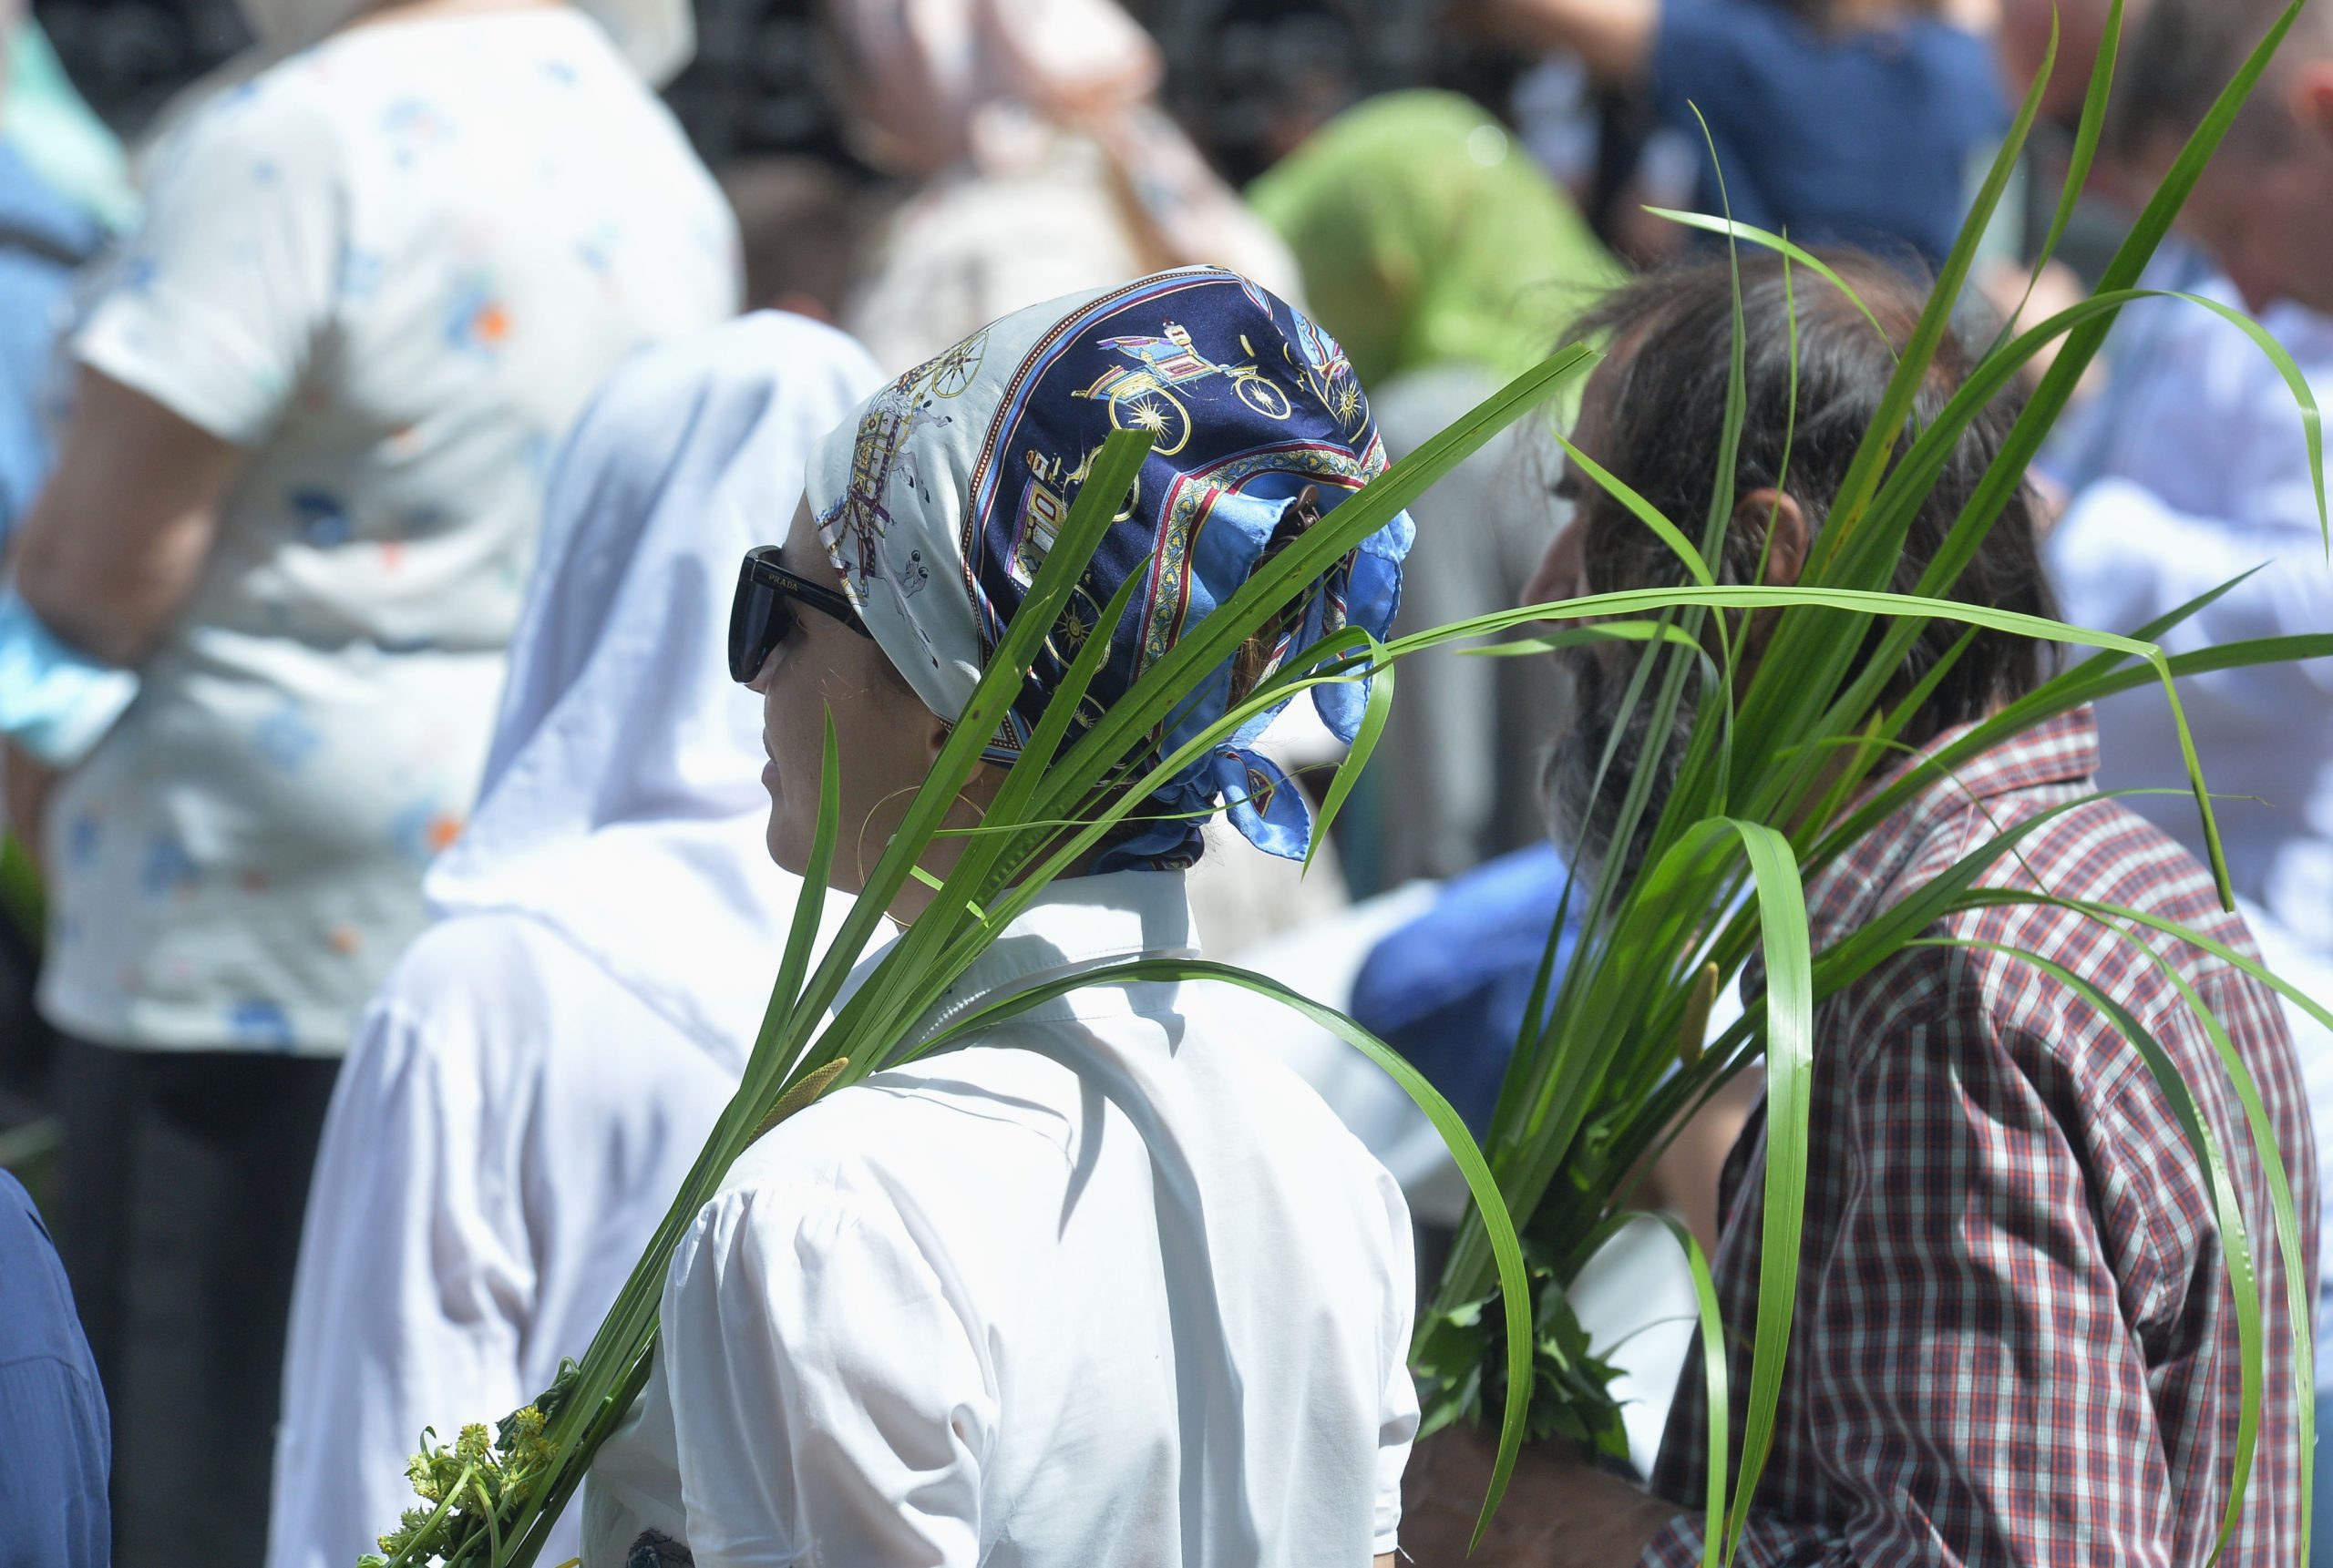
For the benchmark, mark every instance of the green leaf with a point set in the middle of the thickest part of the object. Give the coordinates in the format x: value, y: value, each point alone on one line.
x: 1734, y: 229
x: 810, y: 903
x: 1790, y: 1098
x: 1378, y: 708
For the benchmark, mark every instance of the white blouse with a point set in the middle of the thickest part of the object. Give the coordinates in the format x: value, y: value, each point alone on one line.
x: 392, y: 268
x: 1105, y: 1287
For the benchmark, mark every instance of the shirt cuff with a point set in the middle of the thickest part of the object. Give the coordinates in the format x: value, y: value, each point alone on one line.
x: 55, y: 701
x: 182, y: 356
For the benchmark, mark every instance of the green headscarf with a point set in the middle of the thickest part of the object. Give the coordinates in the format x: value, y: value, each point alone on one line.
x: 1427, y: 235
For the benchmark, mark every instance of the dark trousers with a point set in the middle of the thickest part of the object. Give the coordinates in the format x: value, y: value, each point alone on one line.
x: 181, y: 1184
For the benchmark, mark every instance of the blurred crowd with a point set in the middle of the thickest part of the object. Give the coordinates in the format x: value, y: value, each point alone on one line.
x: 324, y: 699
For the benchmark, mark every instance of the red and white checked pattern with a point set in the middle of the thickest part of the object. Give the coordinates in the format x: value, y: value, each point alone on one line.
x: 2015, y: 1340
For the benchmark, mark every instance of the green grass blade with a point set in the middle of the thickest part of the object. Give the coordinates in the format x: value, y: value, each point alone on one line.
x: 810, y: 903
x: 1864, y: 474
x: 1721, y: 1419
x: 2087, y: 132
x: 1378, y: 708
x: 1644, y: 511
x: 1734, y: 229
x: 1790, y: 1098
x: 1578, y: 636
x: 2312, y: 423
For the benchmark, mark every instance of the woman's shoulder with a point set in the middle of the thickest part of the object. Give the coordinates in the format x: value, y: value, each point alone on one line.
x: 493, y: 978
x: 277, y: 118
x: 921, y: 1123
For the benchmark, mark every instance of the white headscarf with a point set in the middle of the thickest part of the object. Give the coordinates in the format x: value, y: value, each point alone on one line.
x: 657, y: 37
x: 623, y: 804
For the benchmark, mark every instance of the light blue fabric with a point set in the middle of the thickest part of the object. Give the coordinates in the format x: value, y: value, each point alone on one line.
x: 44, y: 235
x: 55, y: 701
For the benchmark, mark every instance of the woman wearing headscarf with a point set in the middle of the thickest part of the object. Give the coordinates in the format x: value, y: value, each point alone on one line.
x: 264, y: 601
x: 1444, y: 260
x: 1104, y: 1285
x: 1040, y: 164
x: 531, y: 1084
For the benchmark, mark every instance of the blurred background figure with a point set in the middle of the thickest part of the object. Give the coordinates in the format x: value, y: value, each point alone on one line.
x: 284, y: 544
x: 2192, y: 470
x: 801, y: 221
x: 54, y: 1443
x: 1845, y: 122
x: 1039, y: 164
x: 1444, y: 259
x: 539, y: 1072
x: 48, y: 230
x: 47, y: 234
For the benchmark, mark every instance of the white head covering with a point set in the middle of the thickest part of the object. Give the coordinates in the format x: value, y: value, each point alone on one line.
x: 623, y: 804
x: 657, y: 37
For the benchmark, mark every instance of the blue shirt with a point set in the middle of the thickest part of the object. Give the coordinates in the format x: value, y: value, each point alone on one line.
x: 56, y: 1442
x: 43, y: 238
x: 1862, y: 137
x: 1449, y: 990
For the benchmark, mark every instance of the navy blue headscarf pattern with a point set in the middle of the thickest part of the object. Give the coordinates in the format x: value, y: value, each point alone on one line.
x: 943, y: 496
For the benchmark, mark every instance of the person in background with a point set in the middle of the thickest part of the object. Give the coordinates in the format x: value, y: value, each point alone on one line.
x: 258, y: 623
x: 46, y: 237
x: 536, y: 1076
x: 2015, y: 1339
x: 2192, y: 469
x: 54, y: 1442
x: 1040, y: 162
x: 1444, y: 259
x: 58, y: 134
x: 1845, y: 122
x: 1101, y: 1284
x: 803, y: 221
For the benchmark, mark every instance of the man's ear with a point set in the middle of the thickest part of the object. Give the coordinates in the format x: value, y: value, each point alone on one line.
x: 1770, y: 515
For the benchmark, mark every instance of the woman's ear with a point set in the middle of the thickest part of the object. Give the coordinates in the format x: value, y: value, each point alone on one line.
x: 1773, y: 517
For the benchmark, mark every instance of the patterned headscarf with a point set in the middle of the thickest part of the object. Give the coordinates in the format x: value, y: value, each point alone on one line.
x: 940, y: 499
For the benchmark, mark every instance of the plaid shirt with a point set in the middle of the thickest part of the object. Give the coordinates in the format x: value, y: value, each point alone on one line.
x: 2015, y: 1341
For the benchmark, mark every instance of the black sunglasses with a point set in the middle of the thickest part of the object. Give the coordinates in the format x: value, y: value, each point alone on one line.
x: 763, y: 611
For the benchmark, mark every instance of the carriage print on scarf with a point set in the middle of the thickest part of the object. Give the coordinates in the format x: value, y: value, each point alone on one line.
x: 1249, y: 403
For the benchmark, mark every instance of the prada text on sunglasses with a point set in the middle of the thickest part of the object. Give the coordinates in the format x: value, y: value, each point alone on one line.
x: 767, y: 609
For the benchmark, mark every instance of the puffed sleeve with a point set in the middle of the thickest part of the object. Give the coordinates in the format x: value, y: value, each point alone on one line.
x: 219, y: 303
x: 830, y: 1394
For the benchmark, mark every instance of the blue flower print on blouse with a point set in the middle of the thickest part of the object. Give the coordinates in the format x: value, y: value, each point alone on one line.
x: 413, y: 126
x: 169, y: 868
x: 360, y: 273
x: 261, y: 1022
x: 82, y: 836
x: 324, y: 518
x: 477, y: 321
x: 422, y: 830
x: 285, y: 738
